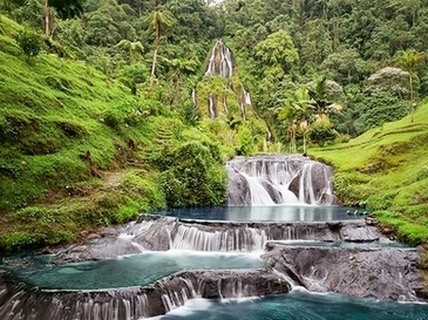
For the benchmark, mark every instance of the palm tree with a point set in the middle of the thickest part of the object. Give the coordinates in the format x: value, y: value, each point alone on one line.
x: 409, y: 61
x: 158, y: 21
x: 287, y: 113
x: 301, y: 103
x: 134, y: 48
x: 321, y: 100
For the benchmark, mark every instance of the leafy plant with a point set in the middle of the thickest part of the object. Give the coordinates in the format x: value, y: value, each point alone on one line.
x: 29, y: 41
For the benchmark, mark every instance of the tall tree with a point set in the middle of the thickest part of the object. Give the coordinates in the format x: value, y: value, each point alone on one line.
x: 409, y: 60
x: 158, y: 21
x: 300, y: 101
x: 66, y: 8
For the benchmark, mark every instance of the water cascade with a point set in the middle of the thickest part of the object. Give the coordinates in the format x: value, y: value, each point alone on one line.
x: 23, y: 302
x: 220, y: 93
x: 220, y: 61
x: 159, y: 263
x: 278, y: 179
x: 162, y: 234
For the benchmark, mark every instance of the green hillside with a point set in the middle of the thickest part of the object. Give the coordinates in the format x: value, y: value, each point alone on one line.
x: 79, y: 151
x: 100, y: 125
x: 386, y: 171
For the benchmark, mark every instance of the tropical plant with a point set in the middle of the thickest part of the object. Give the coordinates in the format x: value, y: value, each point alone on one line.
x: 133, y: 75
x: 158, y: 21
x: 135, y: 48
x: 322, y: 93
x: 29, y: 41
x: 409, y: 60
x: 300, y: 101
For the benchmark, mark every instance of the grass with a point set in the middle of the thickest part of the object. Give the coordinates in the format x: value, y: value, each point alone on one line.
x: 386, y: 171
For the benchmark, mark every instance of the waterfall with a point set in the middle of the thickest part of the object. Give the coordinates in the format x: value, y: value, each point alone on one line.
x: 211, y: 108
x: 23, y: 302
x: 278, y: 179
x: 194, y: 99
x: 220, y: 61
x: 165, y: 234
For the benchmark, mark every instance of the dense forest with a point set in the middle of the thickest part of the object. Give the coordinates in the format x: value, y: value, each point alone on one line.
x: 88, y: 87
x: 281, y: 49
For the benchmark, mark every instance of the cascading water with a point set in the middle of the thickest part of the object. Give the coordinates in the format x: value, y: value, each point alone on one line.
x: 220, y: 61
x: 278, y: 179
x: 221, y: 257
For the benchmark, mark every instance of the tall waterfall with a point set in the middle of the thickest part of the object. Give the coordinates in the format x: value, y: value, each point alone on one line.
x: 278, y: 179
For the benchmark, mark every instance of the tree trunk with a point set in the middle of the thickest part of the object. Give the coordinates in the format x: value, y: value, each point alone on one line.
x: 411, y: 96
x: 47, y: 20
x: 152, y: 74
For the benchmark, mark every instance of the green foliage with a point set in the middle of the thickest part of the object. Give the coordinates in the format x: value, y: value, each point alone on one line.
x: 124, y: 114
x: 277, y: 50
x: 246, y: 143
x: 18, y: 241
x: 29, y: 41
x: 67, y: 8
x: 191, y: 175
x: 423, y: 173
x: 321, y: 132
x: 133, y: 75
x: 63, y: 123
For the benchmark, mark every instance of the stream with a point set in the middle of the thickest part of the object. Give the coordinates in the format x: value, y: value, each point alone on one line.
x: 280, y: 250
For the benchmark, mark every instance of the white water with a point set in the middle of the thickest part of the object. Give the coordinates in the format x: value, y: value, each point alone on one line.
x: 269, y: 179
x: 246, y: 240
x: 220, y: 61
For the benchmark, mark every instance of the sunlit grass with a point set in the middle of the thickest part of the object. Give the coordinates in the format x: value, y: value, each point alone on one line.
x: 387, y: 169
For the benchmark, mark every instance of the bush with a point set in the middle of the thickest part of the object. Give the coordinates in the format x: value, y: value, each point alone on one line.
x: 29, y: 41
x: 18, y: 240
x: 321, y: 132
x: 128, y: 113
x: 194, y: 176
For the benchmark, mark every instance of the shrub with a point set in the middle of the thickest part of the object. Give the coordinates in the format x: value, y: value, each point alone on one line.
x: 194, y: 176
x: 18, y: 240
x: 321, y: 132
x: 128, y: 113
x: 29, y: 41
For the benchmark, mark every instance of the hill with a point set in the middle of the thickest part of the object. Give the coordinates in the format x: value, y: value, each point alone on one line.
x: 79, y: 151
x: 385, y: 170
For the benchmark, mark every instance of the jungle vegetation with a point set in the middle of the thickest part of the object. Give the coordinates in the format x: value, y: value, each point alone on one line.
x: 97, y: 121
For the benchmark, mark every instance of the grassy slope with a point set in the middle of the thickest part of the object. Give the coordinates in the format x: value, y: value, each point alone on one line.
x: 386, y: 171
x: 65, y: 129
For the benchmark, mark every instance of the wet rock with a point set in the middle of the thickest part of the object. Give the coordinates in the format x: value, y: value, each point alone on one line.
x: 360, y: 233
x: 387, y: 274
x: 161, y: 234
x: 20, y: 301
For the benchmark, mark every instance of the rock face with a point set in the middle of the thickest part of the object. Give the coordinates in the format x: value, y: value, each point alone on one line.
x: 19, y: 301
x: 277, y: 179
x: 387, y: 273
